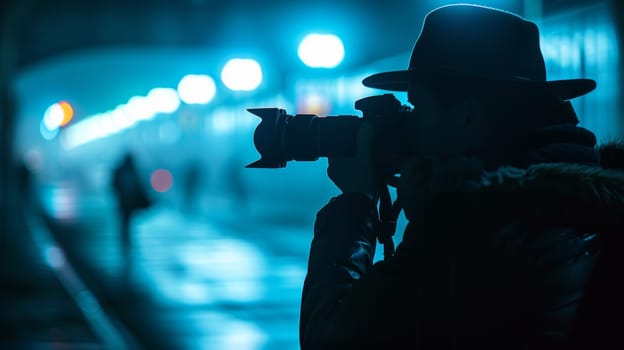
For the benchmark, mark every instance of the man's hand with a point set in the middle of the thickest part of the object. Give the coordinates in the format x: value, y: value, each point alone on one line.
x: 356, y: 174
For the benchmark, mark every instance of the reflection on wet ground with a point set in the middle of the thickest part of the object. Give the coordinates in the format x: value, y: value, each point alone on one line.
x: 214, y: 280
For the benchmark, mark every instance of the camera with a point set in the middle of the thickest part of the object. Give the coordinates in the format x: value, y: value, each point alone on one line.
x: 280, y: 137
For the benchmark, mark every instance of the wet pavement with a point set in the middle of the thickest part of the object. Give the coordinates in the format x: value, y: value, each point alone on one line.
x: 37, y: 310
x: 203, y: 280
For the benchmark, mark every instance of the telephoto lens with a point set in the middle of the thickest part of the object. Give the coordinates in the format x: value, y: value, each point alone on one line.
x: 281, y: 137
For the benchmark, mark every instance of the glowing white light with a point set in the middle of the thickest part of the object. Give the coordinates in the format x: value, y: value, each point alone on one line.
x: 120, y: 119
x: 87, y: 130
x: 241, y: 74
x: 138, y: 108
x: 53, y: 117
x: 196, y: 89
x: 163, y: 100
x: 321, y: 50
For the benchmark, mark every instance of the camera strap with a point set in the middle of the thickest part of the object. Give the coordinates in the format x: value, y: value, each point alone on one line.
x: 388, y: 215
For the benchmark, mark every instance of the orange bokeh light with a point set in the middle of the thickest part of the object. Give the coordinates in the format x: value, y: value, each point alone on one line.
x: 68, y: 112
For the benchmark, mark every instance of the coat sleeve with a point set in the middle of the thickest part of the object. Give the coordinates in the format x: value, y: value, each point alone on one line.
x: 342, y: 250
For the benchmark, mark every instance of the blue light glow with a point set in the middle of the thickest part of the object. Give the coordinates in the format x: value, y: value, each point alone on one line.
x: 46, y: 132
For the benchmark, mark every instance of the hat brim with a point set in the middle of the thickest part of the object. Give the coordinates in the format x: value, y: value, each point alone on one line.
x: 398, y: 81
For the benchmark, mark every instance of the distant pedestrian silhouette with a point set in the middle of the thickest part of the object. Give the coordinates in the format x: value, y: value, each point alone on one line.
x: 131, y: 196
x: 192, y: 177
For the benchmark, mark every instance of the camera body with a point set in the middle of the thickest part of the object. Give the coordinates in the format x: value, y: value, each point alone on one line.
x: 280, y: 137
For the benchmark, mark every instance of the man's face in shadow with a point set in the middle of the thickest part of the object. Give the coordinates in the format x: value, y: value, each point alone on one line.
x: 443, y: 122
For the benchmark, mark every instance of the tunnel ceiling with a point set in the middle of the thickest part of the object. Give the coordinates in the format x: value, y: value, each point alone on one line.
x: 41, y: 29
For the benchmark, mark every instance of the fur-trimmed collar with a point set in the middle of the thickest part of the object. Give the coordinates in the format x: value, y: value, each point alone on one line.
x: 586, y: 198
x: 612, y: 155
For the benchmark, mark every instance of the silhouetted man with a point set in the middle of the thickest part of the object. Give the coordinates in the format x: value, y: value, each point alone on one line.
x: 507, y: 204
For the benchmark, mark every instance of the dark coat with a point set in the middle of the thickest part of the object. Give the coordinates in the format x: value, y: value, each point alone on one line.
x: 528, y: 259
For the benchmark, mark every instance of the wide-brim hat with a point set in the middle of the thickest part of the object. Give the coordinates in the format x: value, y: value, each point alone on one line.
x: 480, y: 43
